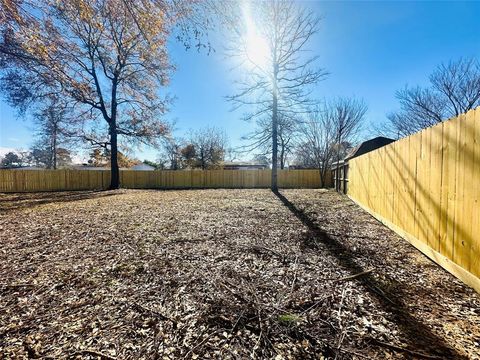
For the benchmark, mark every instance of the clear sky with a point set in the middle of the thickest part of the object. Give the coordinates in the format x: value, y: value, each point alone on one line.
x: 371, y: 49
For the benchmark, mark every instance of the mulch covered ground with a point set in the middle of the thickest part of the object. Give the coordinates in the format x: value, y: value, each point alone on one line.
x: 225, y: 274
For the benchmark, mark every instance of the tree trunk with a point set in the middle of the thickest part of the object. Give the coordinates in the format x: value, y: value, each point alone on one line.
x: 274, y: 142
x: 54, y: 146
x: 337, y: 171
x: 322, y: 177
x: 115, y: 172
x: 282, y: 156
x: 274, y: 185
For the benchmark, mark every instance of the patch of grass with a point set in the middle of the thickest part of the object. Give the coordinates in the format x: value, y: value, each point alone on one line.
x: 289, y: 319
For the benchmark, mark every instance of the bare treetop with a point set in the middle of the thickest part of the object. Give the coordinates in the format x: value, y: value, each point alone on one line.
x: 328, y: 131
x: 454, y: 89
x: 270, y: 42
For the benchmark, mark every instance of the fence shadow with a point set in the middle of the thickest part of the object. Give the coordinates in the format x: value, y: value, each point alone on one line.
x: 18, y: 201
x: 415, y: 333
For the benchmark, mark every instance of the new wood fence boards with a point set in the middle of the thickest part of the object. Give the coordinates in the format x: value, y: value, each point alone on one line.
x: 52, y: 180
x: 427, y: 188
x: 58, y: 180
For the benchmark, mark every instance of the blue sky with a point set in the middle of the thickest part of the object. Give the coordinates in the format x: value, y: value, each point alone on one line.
x: 371, y: 49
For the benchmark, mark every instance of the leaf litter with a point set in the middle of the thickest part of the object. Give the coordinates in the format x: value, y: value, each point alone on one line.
x: 220, y: 274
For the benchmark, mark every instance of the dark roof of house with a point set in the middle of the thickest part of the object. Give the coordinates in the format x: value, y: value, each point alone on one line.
x: 368, y: 146
x: 364, y: 148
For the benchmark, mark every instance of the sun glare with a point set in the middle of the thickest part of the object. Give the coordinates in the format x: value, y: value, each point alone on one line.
x: 256, y: 47
x: 257, y: 50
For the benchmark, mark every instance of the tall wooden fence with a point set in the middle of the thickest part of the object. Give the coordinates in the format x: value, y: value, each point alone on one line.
x: 426, y: 187
x: 57, y: 180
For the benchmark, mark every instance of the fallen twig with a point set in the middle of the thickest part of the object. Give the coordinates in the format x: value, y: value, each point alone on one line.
x: 236, y: 322
x: 355, y: 276
x: 318, y: 302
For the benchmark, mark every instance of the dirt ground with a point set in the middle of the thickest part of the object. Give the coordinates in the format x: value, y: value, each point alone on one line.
x: 224, y: 274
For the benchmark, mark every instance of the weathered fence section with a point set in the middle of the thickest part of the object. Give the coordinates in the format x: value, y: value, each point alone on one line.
x: 426, y: 187
x: 58, y: 180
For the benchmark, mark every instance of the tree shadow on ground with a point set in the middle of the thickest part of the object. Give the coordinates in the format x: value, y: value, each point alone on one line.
x: 18, y: 201
x: 415, y: 333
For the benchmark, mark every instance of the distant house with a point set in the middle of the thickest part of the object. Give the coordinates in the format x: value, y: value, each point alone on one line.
x: 368, y: 146
x: 340, y: 168
x: 142, y: 167
x: 243, y: 165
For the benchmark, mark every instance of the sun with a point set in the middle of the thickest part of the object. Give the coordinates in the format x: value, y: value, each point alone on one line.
x: 257, y: 49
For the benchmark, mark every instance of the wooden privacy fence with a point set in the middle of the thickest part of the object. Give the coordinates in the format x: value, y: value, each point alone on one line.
x: 58, y: 180
x: 426, y: 187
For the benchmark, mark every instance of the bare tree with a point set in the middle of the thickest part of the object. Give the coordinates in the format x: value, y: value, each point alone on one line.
x: 347, y: 115
x: 286, y: 136
x: 454, y: 89
x: 171, y: 153
x: 260, y: 140
x: 107, y: 58
x: 232, y: 154
x: 327, y: 133
x: 317, y: 147
x: 271, y: 41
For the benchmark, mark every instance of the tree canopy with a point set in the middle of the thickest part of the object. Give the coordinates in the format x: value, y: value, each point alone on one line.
x: 107, y: 60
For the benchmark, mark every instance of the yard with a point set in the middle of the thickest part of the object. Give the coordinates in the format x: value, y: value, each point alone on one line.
x: 226, y: 274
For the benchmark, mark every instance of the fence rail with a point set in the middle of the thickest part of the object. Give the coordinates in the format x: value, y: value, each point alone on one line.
x: 426, y: 187
x: 58, y: 180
